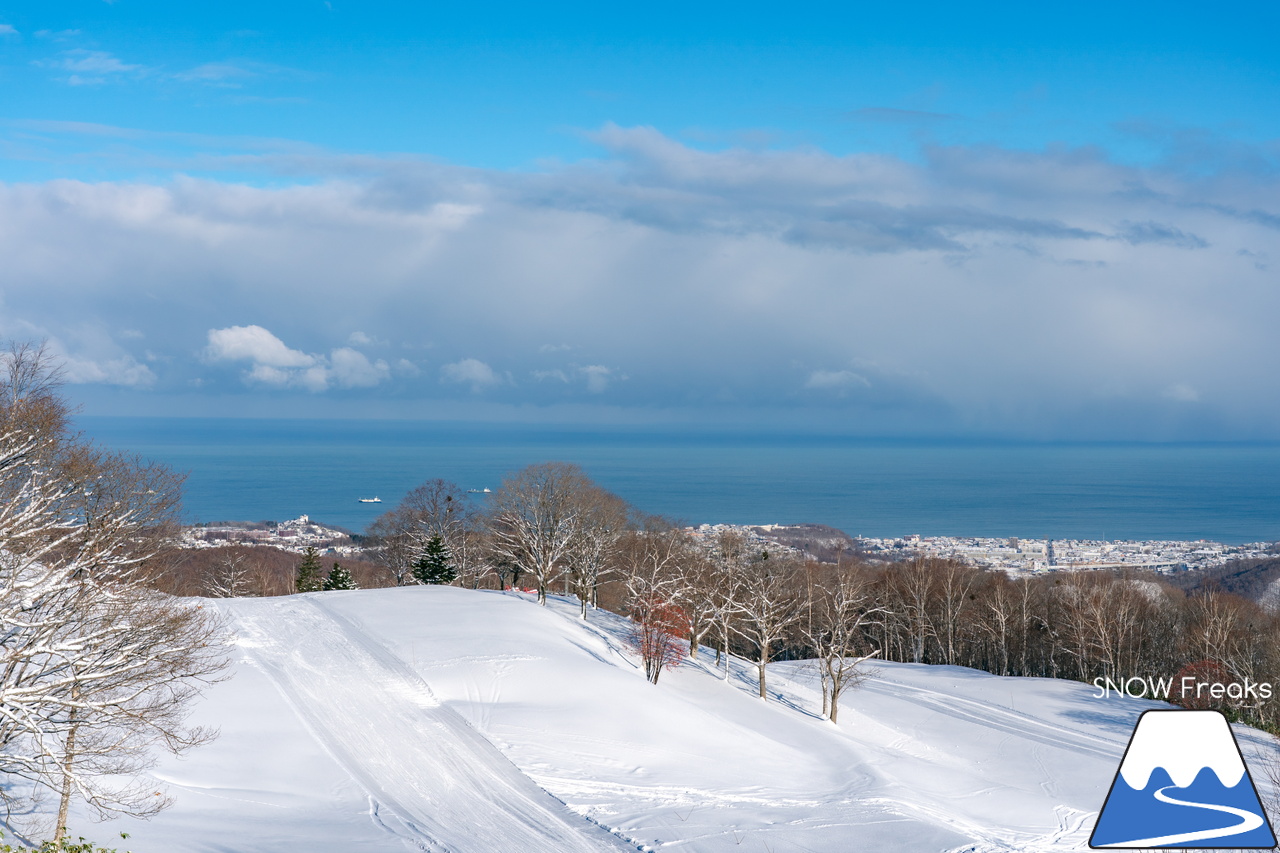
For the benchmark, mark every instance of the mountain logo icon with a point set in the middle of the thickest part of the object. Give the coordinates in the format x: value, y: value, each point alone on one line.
x: 1182, y: 783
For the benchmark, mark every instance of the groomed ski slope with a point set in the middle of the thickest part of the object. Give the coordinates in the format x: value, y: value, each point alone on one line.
x: 434, y: 718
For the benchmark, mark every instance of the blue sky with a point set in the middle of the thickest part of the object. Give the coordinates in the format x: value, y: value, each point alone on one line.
x: 936, y: 219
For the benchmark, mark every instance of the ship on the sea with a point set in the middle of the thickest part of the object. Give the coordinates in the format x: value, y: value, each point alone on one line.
x: 370, y: 500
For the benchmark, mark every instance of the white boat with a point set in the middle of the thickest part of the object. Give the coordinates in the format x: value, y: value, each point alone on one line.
x: 370, y: 500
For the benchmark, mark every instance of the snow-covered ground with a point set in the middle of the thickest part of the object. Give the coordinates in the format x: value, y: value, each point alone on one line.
x: 434, y: 718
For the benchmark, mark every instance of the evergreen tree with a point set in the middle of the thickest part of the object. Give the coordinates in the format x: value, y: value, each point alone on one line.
x: 310, y: 578
x: 435, y: 565
x: 340, y: 578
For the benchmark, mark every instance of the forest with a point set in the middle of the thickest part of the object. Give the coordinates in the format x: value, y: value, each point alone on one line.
x: 550, y: 529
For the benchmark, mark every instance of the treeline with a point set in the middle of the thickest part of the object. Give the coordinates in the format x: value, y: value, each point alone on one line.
x: 550, y: 528
x: 237, y: 571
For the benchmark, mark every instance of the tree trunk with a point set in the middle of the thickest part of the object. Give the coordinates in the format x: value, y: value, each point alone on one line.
x: 64, y: 801
x: 764, y: 659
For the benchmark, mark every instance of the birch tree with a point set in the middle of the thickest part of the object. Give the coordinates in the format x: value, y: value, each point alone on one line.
x: 729, y: 557
x: 536, y: 519
x: 604, y: 519
x: 769, y: 606
x: 840, y: 608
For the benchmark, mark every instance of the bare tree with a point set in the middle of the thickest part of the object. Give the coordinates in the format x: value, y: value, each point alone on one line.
x: 651, y: 562
x: 395, y: 544
x: 769, y: 606
x: 29, y: 400
x: 96, y: 667
x: 729, y: 557
x: 912, y: 588
x: 603, y: 521
x: 840, y: 606
x: 703, y: 582
x: 952, y: 585
x: 536, y: 519
x: 435, y: 508
x: 231, y: 577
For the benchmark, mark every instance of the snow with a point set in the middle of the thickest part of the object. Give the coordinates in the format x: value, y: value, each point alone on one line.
x: 435, y: 718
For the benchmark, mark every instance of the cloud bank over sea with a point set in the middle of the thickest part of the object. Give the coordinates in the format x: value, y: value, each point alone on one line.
x: 972, y: 290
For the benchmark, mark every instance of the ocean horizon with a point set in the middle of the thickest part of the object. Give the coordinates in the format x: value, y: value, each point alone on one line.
x: 275, y: 469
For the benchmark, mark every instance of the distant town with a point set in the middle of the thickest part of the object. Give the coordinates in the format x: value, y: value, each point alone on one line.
x: 1011, y: 554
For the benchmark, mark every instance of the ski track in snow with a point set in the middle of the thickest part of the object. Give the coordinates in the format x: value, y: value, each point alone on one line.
x: 417, y: 759
x: 994, y: 717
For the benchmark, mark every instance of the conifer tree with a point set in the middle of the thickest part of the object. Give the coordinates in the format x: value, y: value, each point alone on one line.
x: 339, y: 578
x: 435, y: 565
x: 309, y: 577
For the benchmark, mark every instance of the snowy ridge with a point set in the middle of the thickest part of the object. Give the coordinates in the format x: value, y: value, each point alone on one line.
x: 440, y: 719
x: 431, y: 778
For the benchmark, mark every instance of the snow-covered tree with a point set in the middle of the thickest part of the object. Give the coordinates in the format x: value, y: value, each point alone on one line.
x: 604, y: 520
x: 651, y: 562
x: 768, y: 606
x: 536, y: 519
x: 340, y: 578
x: 840, y: 606
x: 96, y: 667
x: 230, y: 577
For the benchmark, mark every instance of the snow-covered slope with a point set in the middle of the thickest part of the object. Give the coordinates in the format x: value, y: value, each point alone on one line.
x: 433, y: 718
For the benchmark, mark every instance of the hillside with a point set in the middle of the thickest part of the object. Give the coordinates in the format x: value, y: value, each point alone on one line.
x: 435, y: 718
x: 1255, y: 580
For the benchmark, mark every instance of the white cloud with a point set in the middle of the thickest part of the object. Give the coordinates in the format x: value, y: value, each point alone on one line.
x: 597, y: 377
x: 470, y: 371
x: 352, y: 369
x: 216, y: 73
x: 314, y: 379
x: 267, y: 375
x: 85, y: 61
x: 1009, y: 291
x: 276, y: 365
x: 119, y: 371
x: 7, y: 30
x: 405, y: 367
x: 254, y: 343
x: 839, y: 380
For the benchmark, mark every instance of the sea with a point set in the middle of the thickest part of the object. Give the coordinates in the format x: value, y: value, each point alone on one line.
x: 258, y: 470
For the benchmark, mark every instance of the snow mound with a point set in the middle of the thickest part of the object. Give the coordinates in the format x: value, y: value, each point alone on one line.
x: 435, y: 718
